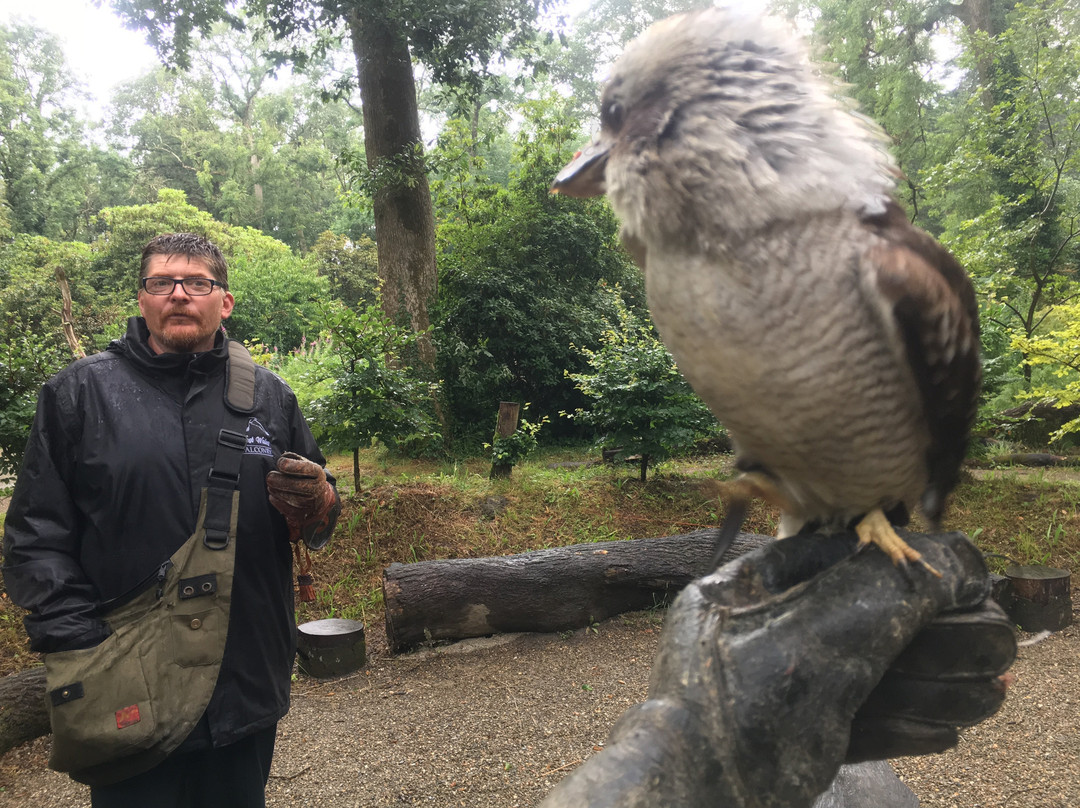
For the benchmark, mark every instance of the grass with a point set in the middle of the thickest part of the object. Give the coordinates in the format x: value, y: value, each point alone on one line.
x: 413, y: 510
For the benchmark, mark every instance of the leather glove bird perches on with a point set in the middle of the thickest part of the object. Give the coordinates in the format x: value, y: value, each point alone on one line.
x: 793, y: 659
x: 301, y: 493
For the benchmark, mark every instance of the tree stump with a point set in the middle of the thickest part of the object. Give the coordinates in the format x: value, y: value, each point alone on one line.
x: 1040, y: 599
x: 544, y: 590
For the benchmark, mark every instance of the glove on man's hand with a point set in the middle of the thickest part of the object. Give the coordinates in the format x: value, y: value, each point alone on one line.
x: 770, y: 675
x: 301, y: 493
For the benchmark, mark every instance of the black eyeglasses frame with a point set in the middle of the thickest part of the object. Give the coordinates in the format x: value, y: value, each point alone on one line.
x: 182, y: 282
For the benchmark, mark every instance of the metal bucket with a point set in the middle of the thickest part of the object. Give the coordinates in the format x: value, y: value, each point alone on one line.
x: 330, y: 647
x: 1040, y: 598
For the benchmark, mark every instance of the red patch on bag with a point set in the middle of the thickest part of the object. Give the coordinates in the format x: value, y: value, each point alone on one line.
x: 127, y: 716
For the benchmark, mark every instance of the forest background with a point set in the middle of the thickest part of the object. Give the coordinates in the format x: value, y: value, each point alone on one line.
x: 403, y: 266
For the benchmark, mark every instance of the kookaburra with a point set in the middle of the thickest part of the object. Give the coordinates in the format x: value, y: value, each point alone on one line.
x: 837, y: 342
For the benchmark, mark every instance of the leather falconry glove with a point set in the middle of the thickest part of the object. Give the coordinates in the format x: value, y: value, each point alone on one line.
x: 780, y: 666
x: 300, y: 492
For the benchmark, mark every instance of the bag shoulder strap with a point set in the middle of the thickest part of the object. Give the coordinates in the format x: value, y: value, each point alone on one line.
x: 240, y: 379
x: 232, y: 440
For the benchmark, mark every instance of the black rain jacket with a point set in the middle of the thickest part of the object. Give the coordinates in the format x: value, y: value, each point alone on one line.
x: 109, y: 489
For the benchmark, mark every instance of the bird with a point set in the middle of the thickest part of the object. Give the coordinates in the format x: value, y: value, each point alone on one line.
x: 837, y: 342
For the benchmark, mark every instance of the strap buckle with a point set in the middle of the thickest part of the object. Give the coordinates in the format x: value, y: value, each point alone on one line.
x: 229, y: 441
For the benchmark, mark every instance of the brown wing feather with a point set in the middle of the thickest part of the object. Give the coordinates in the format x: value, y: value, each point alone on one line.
x: 934, y: 304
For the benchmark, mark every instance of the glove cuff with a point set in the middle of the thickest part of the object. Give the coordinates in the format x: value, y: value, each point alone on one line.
x: 317, y: 529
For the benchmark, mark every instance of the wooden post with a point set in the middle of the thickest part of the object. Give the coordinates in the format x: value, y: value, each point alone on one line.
x: 504, y: 428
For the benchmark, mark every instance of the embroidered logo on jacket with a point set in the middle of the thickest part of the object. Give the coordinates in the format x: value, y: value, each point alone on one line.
x: 258, y: 439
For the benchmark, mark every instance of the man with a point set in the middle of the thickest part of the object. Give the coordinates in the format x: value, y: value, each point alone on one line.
x: 114, y: 487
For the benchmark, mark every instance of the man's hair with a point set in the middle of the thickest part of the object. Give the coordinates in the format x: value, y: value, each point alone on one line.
x: 190, y: 245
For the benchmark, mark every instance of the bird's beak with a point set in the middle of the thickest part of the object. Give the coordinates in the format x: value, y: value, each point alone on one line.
x: 584, y: 175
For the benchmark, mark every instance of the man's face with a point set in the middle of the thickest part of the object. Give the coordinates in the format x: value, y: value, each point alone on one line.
x: 179, y: 322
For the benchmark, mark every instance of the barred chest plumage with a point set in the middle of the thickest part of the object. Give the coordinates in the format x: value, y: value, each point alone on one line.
x: 831, y: 410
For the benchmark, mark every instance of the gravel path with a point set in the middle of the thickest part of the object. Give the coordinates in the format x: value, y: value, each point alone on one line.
x: 495, y: 723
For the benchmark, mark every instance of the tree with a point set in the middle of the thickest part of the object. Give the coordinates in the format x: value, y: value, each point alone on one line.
x: 520, y: 274
x: 1057, y: 350
x: 277, y: 299
x: 248, y: 150
x: 638, y: 400
x: 350, y: 266
x: 454, y: 39
x: 1009, y: 196
x: 355, y: 389
x: 53, y: 181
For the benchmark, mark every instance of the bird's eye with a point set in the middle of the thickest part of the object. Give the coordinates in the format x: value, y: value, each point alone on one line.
x: 611, y: 116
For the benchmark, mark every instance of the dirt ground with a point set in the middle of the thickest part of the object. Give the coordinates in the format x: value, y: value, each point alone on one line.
x: 495, y: 723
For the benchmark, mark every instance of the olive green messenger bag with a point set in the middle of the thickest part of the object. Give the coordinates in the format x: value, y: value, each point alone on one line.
x: 122, y: 707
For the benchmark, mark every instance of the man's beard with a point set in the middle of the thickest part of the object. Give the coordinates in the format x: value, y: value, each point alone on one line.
x: 184, y: 339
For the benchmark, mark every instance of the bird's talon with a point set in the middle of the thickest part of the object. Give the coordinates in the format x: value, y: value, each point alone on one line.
x: 874, y: 528
x: 929, y: 568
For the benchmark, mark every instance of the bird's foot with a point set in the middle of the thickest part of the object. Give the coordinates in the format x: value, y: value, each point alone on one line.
x: 874, y: 528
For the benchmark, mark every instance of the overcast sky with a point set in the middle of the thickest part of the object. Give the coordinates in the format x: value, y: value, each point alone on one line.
x: 100, y: 52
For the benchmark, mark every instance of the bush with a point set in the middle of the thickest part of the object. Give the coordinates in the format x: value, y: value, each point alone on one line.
x: 638, y: 399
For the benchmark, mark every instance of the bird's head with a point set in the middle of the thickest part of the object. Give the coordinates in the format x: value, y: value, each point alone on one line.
x: 716, y: 123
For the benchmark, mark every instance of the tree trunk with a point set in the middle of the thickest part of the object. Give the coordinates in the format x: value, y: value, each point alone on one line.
x: 545, y: 590
x: 404, y: 218
x: 983, y: 17
x: 23, y: 716
x: 67, y: 323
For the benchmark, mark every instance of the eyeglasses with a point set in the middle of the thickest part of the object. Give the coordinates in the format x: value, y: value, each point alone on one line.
x: 193, y: 286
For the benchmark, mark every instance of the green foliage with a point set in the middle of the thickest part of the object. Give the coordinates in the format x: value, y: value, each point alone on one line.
x: 25, y: 364
x: 249, y: 154
x: 127, y: 230
x: 638, y: 399
x: 276, y: 299
x: 30, y: 300
x: 275, y: 291
x: 52, y: 180
x: 1009, y: 197
x: 518, y: 445
x: 520, y: 272
x: 32, y: 344
x: 353, y: 388
x: 351, y: 266
x: 1058, y: 350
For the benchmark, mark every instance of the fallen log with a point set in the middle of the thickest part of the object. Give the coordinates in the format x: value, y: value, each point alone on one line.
x: 544, y: 590
x: 1031, y: 459
x: 23, y: 715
